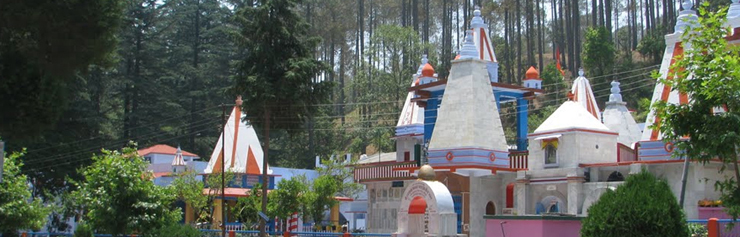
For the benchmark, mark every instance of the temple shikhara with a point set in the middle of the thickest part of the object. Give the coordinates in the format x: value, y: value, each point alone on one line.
x: 451, y: 129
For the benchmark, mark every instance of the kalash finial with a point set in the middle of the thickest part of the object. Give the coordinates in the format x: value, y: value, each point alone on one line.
x: 238, y: 100
x: 468, y: 50
x: 426, y: 172
x: 687, y: 4
x: 477, y: 21
x: 424, y: 59
x: 580, y: 72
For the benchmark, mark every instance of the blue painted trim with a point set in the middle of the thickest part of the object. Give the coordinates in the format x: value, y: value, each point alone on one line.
x: 521, y: 124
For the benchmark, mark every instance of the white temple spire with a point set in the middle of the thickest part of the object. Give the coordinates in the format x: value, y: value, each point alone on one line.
x: 686, y: 17
x: 468, y: 50
x: 619, y: 119
x: 584, y: 95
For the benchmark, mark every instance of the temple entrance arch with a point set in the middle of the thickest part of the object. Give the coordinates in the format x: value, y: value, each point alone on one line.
x: 426, y: 198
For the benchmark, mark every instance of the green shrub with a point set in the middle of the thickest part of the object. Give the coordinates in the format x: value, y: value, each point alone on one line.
x: 83, y: 230
x: 697, y: 230
x: 642, y: 206
x: 174, y: 230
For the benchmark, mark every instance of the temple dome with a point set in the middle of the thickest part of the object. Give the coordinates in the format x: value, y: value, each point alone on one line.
x: 532, y: 73
x: 427, y: 71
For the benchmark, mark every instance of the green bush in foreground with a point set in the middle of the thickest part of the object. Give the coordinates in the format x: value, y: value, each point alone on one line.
x: 642, y: 206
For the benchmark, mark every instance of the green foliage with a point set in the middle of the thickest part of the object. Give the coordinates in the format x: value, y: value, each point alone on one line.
x: 189, y: 189
x: 18, y: 210
x: 83, y: 230
x: 642, y: 206
x: 247, y: 207
x: 697, y: 230
x: 598, y: 57
x: 708, y: 73
x: 43, y: 46
x: 174, y: 229
x: 213, y: 182
x: 321, y: 197
x: 343, y: 173
x: 287, y: 198
x: 539, y: 116
x: 118, y: 196
x: 652, y: 44
x: 553, y: 84
x: 277, y: 73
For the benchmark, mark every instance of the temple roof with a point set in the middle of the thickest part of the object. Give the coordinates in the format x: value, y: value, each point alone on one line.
x: 570, y: 115
x: 178, y: 160
x: 242, y: 147
x: 481, y: 37
x: 619, y: 119
x: 584, y: 95
x: 163, y: 149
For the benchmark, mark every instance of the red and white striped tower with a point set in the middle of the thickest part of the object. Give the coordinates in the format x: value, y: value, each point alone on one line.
x: 293, y: 222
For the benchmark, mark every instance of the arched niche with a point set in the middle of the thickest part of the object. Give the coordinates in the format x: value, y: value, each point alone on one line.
x: 431, y: 198
x: 490, y: 208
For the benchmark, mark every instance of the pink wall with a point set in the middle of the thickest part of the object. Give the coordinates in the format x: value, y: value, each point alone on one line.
x: 536, y: 226
x: 719, y: 213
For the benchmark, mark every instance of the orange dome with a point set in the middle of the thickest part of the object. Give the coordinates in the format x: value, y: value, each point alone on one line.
x: 532, y: 74
x: 427, y: 71
x: 457, y: 57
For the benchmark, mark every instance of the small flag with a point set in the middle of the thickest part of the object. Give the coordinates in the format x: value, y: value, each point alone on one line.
x: 557, y: 61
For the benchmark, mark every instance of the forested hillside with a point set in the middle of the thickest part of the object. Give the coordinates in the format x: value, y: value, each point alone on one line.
x: 162, y: 73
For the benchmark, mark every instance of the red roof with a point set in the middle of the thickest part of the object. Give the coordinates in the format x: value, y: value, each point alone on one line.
x: 163, y: 149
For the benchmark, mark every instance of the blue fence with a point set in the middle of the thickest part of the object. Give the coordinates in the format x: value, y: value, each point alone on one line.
x: 240, y: 233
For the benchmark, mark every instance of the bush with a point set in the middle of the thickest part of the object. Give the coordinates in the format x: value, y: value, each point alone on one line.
x: 642, y: 206
x: 175, y: 230
x: 697, y: 230
x: 83, y: 230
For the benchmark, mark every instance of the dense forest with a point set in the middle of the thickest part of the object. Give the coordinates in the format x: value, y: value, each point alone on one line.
x: 166, y: 68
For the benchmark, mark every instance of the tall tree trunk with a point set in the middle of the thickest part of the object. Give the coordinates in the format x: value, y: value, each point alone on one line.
x: 194, y: 82
x: 594, y: 14
x: 576, y: 34
x: 608, y: 16
x: 265, y: 180
x: 530, y: 34
x: 569, y: 33
x: 415, y: 14
x: 341, y: 103
x: 518, y: 39
x: 540, y: 34
x: 507, y: 45
x: 426, y: 24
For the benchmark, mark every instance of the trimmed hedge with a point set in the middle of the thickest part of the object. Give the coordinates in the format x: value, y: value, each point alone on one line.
x: 642, y: 206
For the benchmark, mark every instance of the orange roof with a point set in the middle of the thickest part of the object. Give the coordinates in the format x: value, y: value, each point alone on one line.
x: 532, y: 74
x: 427, y: 71
x: 163, y: 149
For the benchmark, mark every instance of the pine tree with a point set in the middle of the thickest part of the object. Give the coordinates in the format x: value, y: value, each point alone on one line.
x: 277, y: 72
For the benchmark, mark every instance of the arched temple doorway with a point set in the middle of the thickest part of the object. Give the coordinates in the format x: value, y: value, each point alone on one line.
x: 430, y: 198
x: 490, y: 208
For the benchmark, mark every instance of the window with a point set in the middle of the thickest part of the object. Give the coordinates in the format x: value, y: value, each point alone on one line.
x: 551, y: 155
x: 407, y: 156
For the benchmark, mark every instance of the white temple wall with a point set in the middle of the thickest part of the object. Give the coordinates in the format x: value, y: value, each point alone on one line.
x: 383, y: 204
x: 483, y: 190
x: 403, y: 145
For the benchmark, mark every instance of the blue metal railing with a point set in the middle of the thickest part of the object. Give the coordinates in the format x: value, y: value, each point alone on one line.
x: 213, y: 232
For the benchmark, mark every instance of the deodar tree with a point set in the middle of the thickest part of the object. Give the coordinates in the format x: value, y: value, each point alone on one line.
x: 277, y: 73
x: 707, y: 127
